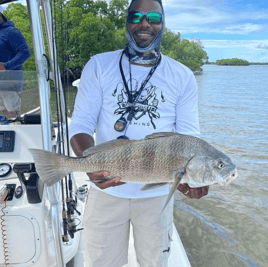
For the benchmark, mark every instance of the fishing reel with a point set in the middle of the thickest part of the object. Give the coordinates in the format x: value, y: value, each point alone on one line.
x: 71, y: 227
x: 71, y: 206
x: 69, y: 223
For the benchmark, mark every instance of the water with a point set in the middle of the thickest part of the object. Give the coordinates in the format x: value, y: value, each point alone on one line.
x: 229, y: 227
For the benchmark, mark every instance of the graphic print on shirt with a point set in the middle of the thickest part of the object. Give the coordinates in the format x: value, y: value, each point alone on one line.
x: 145, y: 105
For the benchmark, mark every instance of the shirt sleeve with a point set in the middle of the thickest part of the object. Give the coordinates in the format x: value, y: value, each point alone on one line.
x: 187, y: 121
x: 21, y: 50
x: 88, y: 100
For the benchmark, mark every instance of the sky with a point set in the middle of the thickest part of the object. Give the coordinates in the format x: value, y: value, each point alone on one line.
x: 226, y: 28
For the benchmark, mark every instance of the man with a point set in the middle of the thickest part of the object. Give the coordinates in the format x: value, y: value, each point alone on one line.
x: 14, y: 52
x: 114, y: 99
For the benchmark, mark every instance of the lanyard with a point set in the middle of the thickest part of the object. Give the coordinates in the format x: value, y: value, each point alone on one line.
x: 122, y: 124
x: 132, y: 99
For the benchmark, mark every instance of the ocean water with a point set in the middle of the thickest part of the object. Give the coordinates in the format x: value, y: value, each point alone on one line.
x: 229, y: 227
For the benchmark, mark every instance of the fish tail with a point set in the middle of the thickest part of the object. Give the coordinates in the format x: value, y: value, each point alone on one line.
x: 48, y: 167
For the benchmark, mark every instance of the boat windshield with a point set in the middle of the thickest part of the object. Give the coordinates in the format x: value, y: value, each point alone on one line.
x: 19, y: 93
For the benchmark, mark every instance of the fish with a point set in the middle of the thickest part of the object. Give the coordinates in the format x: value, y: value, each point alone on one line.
x: 158, y: 159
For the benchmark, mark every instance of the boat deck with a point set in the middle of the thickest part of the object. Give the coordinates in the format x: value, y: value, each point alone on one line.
x: 177, y: 258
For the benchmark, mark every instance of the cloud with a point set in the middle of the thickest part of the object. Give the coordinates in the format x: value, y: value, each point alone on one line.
x: 244, y: 49
x: 242, y: 29
x: 213, y: 17
x: 182, y: 14
x: 246, y: 28
x: 252, y: 44
x: 262, y: 46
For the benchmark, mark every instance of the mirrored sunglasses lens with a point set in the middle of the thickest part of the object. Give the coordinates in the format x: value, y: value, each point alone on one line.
x: 154, y: 17
x: 135, y: 17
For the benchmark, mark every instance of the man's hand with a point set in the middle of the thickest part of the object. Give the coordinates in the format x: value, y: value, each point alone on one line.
x: 2, y: 66
x: 79, y: 143
x: 103, y: 185
x: 193, y: 192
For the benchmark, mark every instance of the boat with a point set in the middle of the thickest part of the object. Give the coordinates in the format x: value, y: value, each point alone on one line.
x: 43, y: 226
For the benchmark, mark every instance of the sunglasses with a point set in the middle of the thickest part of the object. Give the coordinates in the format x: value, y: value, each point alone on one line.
x: 136, y: 17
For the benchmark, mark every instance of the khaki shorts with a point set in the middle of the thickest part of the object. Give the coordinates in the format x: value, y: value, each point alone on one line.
x: 106, y: 230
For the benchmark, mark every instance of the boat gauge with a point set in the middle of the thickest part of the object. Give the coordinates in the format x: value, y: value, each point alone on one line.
x: 5, y: 170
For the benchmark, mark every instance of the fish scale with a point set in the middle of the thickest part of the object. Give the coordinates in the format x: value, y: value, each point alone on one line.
x: 131, y: 161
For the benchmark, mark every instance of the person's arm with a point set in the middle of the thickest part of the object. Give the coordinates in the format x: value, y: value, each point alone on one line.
x: 187, y: 122
x: 88, y: 105
x: 81, y: 142
x: 2, y: 66
x: 21, y: 50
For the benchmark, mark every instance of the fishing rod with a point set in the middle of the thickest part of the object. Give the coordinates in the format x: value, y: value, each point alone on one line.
x: 69, y: 225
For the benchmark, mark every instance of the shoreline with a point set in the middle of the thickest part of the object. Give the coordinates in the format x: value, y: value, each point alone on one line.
x: 260, y: 64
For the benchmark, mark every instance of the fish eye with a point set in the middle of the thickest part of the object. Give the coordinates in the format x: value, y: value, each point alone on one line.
x: 221, y: 165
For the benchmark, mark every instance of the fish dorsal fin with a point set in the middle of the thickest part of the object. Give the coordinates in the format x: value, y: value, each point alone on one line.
x: 107, y: 145
x: 160, y: 134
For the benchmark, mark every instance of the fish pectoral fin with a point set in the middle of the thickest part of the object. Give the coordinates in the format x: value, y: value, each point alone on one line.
x: 107, y: 145
x: 152, y: 186
x: 160, y: 134
x: 179, y: 173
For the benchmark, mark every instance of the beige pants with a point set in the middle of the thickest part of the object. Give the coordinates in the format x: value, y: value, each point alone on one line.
x: 106, y: 230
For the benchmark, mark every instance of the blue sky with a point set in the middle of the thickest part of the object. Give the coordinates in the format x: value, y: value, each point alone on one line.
x: 226, y: 28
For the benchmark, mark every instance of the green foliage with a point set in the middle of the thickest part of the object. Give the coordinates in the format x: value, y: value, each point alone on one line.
x: 189, y: 53
x: 120, y: 38
x: 232, y: 62
x: 118, y: 13
x: 86, y: 6
x: 93, y: 35
x: 258, y: 63
x: 168, y: 41
x: 89, y: 28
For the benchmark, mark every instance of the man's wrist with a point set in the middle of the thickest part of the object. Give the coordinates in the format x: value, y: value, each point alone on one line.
x: 2, y: 66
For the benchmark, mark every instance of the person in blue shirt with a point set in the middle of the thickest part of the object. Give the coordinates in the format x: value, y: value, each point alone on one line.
x: 14, y: 51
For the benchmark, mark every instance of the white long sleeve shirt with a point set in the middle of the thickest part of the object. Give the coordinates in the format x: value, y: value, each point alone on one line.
x: 168, y: 103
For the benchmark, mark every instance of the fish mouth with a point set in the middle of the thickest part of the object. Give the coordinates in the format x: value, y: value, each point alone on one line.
x: 231, y: 178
